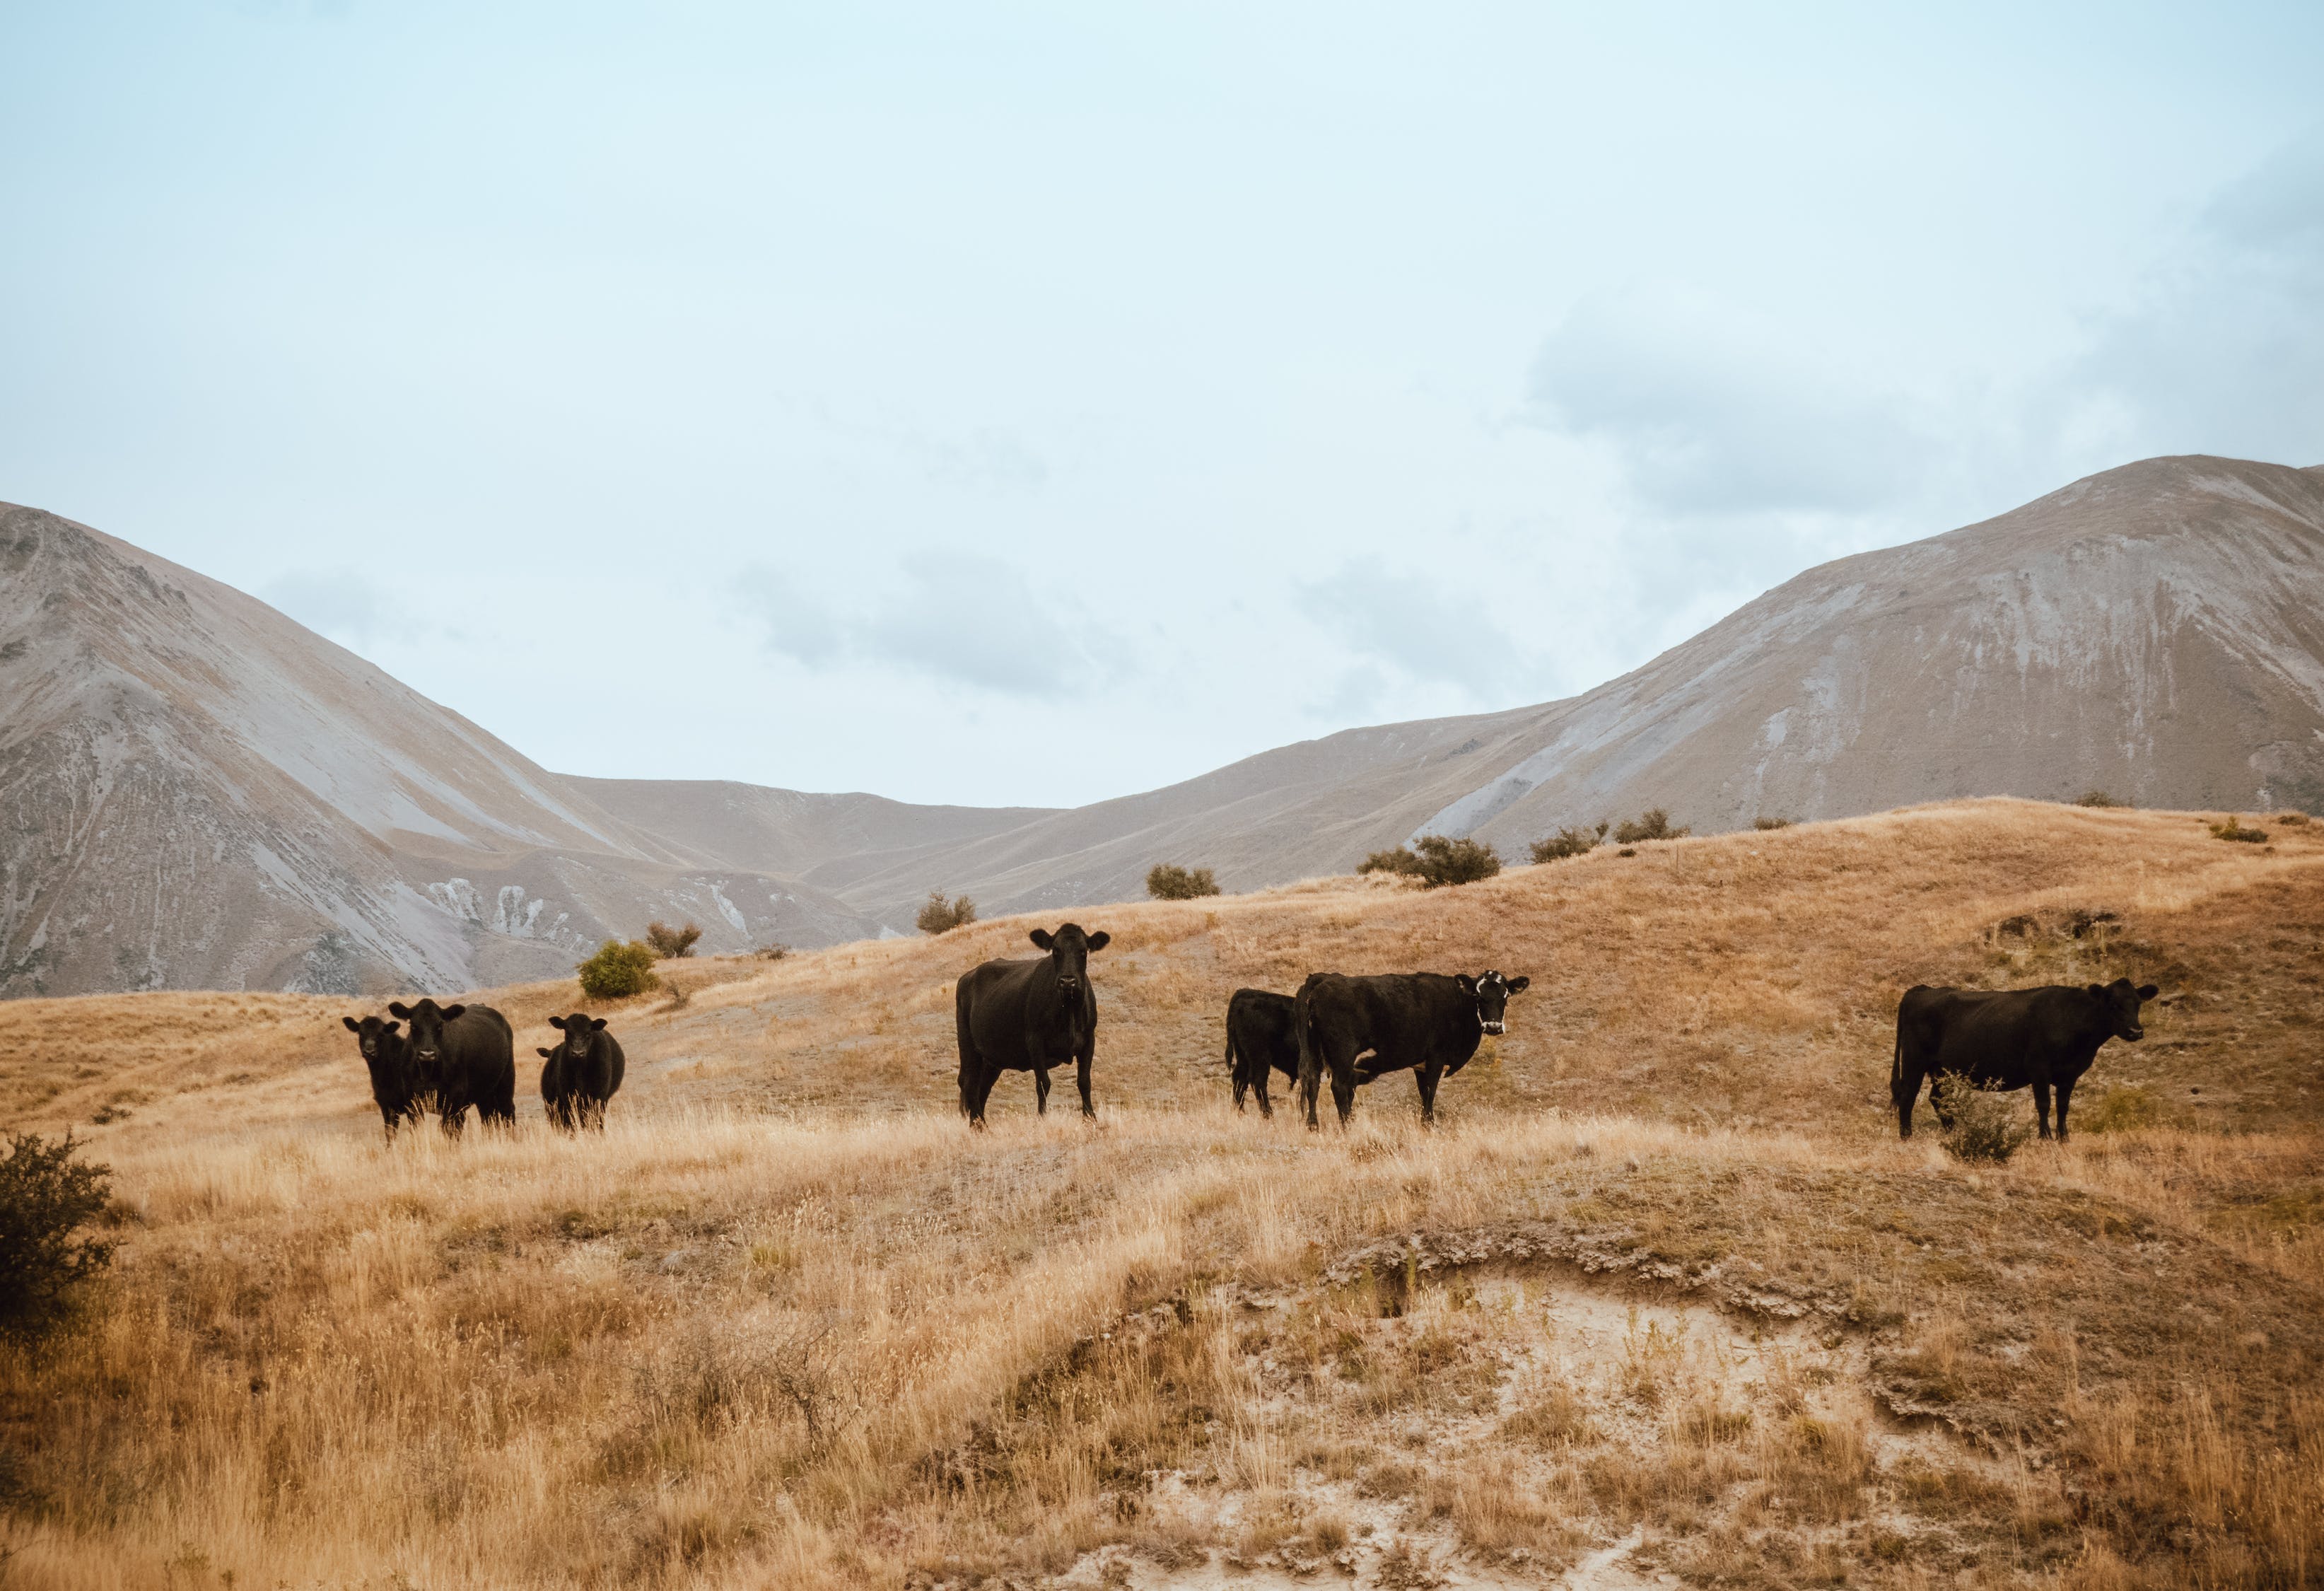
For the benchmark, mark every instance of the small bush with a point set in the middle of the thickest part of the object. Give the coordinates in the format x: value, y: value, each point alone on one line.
x: 46, y: 1197
x: 1399, y: 861
x: 1568, y: 842
x: 2122, y: 1110
x: 1437, y: 862
x: 2234, y: 829
x: 2098, y: 798
x: 670, y: 943
x: 940, y: 916
x: 618, y: 971
x: 2294, y: 819
x: 1169, y: 881
x: 1654, y: 823
x: 1987, y: 1127
x: 774, y: 952
x: 1764, y: 823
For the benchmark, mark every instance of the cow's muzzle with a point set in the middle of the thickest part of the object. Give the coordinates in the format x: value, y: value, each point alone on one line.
x: 1493, y: 1027
x: 2135, y: 1034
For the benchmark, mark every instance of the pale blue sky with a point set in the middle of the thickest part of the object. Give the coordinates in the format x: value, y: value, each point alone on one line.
x: 1039, y: 404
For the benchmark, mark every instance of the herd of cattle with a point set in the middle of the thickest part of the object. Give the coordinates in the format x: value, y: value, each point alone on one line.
x: 1039, y: 1014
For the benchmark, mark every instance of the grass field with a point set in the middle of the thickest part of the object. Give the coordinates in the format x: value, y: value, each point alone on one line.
x: 1662, y: 1297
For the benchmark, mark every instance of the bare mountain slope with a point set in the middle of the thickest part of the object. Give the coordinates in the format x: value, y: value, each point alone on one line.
x: 197, y: 792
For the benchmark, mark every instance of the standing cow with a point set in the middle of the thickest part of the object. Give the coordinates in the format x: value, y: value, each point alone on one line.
x: 1262, y: 1037
x: 1016, y: 1016
x: 2002, y: 1039
x: 389, y: 1059
x: 463, y: 1055
x: 1423, y: 1020
x: 581, y: 1073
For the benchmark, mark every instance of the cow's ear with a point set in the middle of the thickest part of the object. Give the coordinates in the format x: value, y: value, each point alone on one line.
x: 1100, y: 939
x: 544, y: 1054
x: 558, y: 1022
x: 2097, y: 989
x: 391, y: 1027
x: 597, y: 1024
x: 398, y: 1008
x: 452, y: 1013
x: 1464, y: 982
x: 1041, y: 940
x: 352, y: 1026
x: 1519, y: 985
x: 2148, y: 991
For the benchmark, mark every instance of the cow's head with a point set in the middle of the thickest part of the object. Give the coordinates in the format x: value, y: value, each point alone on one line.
x: 580, y: 1033
x: 374, y: 1036
x: 428, y: 1020
x: 2120, y: 1002
x: 1491, y: 993
x: 1069, y: 949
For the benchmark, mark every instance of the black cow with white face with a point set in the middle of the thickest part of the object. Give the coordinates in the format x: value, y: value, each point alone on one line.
x: 463, y: 1055
x: 2002, y: 1039
x: 1018, y: 1016
x: 581, y: 1073
x: 388, y: 1058
x: 1360, y: 1028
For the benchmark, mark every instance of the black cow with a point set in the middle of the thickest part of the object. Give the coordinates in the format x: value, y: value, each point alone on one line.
x: 1425, y: 1021
x: 582, y: 1073
x: 389, y: 1057
x: 1262, y: 1037
x: 463, y: 1055
x: 1016, y: 1017
x: 2002, y: 1039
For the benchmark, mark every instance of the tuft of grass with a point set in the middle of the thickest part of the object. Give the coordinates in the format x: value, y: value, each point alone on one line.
x: 2127, y: 1109
x: 2098, y: 798
x: 1764, y: 823
x: 2234, y: 829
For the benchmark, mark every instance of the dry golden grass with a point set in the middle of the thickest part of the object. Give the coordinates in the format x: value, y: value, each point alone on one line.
x: 1665, y: 1290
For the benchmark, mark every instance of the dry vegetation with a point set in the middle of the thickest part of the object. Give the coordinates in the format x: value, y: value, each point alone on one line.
x: 1662, y: 1297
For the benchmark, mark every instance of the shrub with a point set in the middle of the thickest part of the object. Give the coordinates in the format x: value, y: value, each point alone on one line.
x: 1987, y: 1127
x: 1768, y: 823
x: 1568, y: 842
x: 2098, y: 798
x: 774, y: 952
x: 1436, y: 861
x: 2292, y: 819
x: 46, y: 1197
x: 618, y: 971
x: 940, y: 916
x: 1169, y: 881
x: 1654, y: 823
x: 2234, y: 829
x: 2122, y: 1110
x: 670, y: 943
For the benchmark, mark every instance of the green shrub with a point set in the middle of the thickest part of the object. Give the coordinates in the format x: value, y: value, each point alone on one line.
x: 1437, y: 862
x: 618, y: 971
x: 46, y: 1197
x: 2098, y: 798
x: 2233, y: 829
x: 670, y: 943
x: 1399, y: 861
x: 2122, y: 1110
x: 940, y: 916
x: 1654, y: 823
x: 1986, y: 1128
x: 1769, y: 823
x: 1568, y: 842
x: 1169, y: 881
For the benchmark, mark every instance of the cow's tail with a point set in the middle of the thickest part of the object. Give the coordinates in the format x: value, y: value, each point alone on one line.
x: 1311, y: 1053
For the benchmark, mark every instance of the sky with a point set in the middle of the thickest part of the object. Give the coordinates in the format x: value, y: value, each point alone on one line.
x: 1030, y: 404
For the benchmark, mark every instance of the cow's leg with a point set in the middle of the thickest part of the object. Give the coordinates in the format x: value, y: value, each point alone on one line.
x: 1343, y: 1089
x: 2065, y: 1098
x: 1906, y: 1092
x: 1040, y: 1090
x: 1082, y: 1081
x: 1427, y: 1077
x: 979, y: 1091
x: 454, y: 1121
x: 1259, y: 1078
x: 2042, y: 1104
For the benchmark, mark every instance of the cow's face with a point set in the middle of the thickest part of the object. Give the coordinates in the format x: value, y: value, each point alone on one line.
x: 372, y: 1034
x: 2121, y: 1002
x: 1069, y: 950
x: 1491, y: 993
x: 428, y: 1020
x: 580, y: 1033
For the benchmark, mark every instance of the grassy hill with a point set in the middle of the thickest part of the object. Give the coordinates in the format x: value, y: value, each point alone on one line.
x: 1663, y: 1296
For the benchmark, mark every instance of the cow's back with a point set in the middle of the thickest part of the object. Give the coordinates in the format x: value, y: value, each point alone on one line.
x: 993, y: 999
x: 1263, y: 1023
x: 479, y: 1043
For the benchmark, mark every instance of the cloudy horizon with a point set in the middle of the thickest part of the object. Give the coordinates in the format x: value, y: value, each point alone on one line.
x: 1041, y: 406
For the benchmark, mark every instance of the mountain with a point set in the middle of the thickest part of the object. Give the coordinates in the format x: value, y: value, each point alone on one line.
x: 198, y: 792
x: 2156, y: 631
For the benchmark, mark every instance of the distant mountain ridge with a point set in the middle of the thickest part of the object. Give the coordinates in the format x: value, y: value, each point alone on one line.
x: 198, y: 792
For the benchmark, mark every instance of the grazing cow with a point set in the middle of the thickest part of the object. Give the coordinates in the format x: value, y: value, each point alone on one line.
x: 1425, y: 1021
x: 582, y: 1073
x: 1261, y: 1037
x: 2002, y: 1039
x: 463, y: 1055
x: 389, y: 1057
x: 1016, y: 1016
